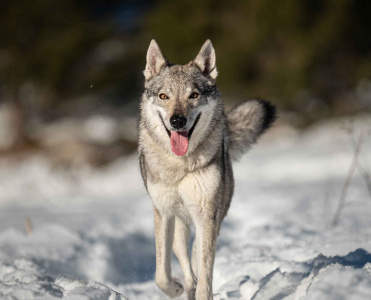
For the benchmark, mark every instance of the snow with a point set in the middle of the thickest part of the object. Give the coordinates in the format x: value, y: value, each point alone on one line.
x: 92, y: 231
x: 22, y: 279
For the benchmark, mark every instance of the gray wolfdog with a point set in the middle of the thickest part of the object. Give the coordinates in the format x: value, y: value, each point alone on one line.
x: 186, y: 143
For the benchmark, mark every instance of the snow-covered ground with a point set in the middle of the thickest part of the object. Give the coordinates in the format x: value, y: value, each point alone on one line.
x: 92, y: 229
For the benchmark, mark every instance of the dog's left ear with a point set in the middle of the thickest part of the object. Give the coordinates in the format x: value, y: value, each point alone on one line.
x: 206, y: 60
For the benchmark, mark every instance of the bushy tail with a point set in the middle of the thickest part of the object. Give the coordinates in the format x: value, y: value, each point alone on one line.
x: 246, y: 123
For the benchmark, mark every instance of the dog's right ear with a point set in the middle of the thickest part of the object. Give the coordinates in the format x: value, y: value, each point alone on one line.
x: 155, y: 60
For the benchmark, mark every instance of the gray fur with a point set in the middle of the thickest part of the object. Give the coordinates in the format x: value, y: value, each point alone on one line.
x: 246, y: 123
x: 195, y: 188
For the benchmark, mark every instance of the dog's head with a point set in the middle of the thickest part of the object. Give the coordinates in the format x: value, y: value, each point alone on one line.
x: 180, y: 101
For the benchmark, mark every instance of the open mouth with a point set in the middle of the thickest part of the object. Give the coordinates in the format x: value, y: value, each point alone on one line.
x: 179, y: 140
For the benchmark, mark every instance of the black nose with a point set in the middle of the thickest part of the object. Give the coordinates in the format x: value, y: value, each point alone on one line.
x: 178, y: 121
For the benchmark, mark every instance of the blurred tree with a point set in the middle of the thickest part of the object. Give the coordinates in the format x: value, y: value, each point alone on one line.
x: 42, y: 42
x: 306, y: 55
x: 61, y: 49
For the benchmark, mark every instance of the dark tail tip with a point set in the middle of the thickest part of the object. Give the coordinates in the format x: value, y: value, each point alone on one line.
x: 270, y: 114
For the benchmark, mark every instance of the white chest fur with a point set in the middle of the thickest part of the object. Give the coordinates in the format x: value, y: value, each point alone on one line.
x: 167, y: 200
x: 189, y: 197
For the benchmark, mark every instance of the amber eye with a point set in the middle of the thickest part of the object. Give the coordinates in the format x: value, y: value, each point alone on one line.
x: 194, y: 95
x: 163, y: 96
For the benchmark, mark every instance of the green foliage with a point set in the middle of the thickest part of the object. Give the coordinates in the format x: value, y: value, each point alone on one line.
x: 268, y: 49
x: 45, y: 42
x: 272, y: 49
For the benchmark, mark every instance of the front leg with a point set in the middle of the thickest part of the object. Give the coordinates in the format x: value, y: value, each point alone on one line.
x: 206, y: 246
x: 164, y: 233
x: 202, y: 192
x: 180, y: 247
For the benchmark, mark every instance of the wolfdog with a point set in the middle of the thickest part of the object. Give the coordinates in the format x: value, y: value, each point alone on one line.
x: 186, y: 143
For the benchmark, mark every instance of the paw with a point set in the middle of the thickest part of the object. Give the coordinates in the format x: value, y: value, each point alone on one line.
x: 191, y: 293
x: 190, y: 287
x: 172, y: 288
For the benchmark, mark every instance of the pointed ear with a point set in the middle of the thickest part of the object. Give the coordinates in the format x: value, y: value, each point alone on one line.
x: 155, y: 60
x: 206, y: 60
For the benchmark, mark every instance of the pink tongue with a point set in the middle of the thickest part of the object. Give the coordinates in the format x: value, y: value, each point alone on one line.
x: 179, y: 142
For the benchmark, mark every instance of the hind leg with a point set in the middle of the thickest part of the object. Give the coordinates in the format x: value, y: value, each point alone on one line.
x: 194, y: 257
x: 180, y: 247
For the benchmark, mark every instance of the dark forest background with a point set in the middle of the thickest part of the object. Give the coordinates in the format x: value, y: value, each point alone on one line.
x: 72, y: 59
